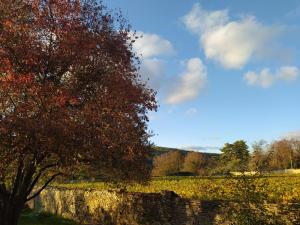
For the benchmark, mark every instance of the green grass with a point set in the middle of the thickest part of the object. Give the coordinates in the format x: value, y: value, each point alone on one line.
x: 34, y: 218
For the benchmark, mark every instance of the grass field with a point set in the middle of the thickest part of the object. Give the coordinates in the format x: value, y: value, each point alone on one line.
x: 33, y: 218
x: 284, y: 188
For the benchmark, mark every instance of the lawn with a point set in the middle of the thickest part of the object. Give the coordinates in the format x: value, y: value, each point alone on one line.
x: 34, y: 218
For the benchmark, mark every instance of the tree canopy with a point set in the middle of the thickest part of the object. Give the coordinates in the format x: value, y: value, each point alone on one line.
x: 235, y: 156
x: 166, y: 164
x: 195, y: 163
x: 70, y: 95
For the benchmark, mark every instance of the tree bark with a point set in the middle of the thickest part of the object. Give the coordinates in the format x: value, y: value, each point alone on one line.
x: 12, y: 201
x: 9, y: 215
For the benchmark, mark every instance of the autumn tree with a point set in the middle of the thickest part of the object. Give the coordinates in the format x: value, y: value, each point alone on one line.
x: 70, y: 95
x: 283, y: 154
x: 194, y: 162
x: 169, y: 163
x: 295, y: 145
x: 259, y: 158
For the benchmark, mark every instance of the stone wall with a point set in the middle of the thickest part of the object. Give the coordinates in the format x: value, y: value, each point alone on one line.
x: 122, y: 208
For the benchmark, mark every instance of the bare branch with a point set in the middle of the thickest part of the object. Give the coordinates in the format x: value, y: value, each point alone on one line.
x: 44, y: 186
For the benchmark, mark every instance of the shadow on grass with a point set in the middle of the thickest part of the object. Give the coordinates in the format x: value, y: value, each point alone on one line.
x: 36, y: 218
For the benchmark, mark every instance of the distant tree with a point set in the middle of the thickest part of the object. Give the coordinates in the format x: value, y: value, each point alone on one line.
x: 295, y: 145
x: 169, y: 163
x: 194, y: 162
x: 235, y: 156
x: 282, y: 154
x: 70, y: 95
x: 259, y: 160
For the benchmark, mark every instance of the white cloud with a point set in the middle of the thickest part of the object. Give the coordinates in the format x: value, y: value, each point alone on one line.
x: 190, y: 83
x: 185, y: 87
x: 288, y: 73
x: 266, y: 79
x: 263, y: 79
x: 230, y: 43
x: 251, y: 78
x: 293, y: 135
x: 199, y: 20
x: 191, y: 111
x: 208, y: 149
x: 152, y: 72
x: 152, y: 45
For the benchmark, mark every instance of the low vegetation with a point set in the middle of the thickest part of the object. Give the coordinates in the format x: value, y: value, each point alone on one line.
x: 252, y: 205
x: 210, y: 178
x: 284, y: 188
x: 34, y: 218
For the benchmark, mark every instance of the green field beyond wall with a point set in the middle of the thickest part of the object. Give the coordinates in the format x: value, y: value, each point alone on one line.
x: 283, y: 188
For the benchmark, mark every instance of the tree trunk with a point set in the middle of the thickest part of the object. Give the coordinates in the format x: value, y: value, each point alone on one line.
x: 12, y: 201
x: 9, y: 220
x: 10, y: 215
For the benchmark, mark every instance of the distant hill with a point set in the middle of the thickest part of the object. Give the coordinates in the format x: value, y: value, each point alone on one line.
x: 158, y: 150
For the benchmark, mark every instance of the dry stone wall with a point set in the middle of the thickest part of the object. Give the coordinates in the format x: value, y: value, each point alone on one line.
x: 123, y: 208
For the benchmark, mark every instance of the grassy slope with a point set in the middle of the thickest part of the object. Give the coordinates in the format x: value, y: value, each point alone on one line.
x: 158, y: 150
x: 33, y: 218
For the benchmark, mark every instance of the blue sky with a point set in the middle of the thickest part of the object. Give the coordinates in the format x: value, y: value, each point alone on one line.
x: 224, y: 70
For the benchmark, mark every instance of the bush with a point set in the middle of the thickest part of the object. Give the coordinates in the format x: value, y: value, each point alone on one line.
x: 250, y: 206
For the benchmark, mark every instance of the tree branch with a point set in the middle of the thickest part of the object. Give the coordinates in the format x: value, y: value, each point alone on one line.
x: 47, y: 167
x: 18, y: 177
x: 33, y: 183
x: 44, y: 186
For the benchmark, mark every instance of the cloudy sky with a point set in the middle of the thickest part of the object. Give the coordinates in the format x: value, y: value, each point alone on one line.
x: 224, y: 70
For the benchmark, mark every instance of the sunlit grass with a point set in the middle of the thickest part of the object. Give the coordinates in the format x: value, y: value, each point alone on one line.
x: 278, y: 187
